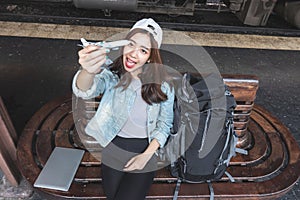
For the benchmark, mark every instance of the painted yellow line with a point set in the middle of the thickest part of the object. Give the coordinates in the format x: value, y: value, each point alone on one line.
x: 75, y: 32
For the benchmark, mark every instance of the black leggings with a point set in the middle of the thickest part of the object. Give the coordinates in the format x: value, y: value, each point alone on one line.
x: 120, y: 185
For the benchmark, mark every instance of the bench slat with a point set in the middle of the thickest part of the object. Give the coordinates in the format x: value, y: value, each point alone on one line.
x: 43, y: 145
x: 54, y: 118
x: 67, y: 122
x: 62, y: 139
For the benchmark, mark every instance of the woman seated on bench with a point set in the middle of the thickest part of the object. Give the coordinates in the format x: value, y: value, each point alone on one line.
x: 135, y: 113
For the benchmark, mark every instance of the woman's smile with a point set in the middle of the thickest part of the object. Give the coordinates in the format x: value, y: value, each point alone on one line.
x: 129, y: 63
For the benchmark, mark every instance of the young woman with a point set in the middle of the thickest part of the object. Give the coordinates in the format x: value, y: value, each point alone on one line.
x: 136, y: 110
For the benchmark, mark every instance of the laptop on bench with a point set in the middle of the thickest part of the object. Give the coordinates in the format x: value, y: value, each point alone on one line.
x: 60, y: 169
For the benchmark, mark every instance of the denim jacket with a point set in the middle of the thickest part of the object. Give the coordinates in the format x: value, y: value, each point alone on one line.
x: 115, y: 106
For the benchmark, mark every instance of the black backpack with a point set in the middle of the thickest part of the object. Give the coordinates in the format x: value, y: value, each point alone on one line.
x: 203, y: 139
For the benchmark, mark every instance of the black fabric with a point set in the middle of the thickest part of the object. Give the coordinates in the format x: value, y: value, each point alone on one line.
x: 117, y: 153
x: 119, y: 185
x: 189, y: 137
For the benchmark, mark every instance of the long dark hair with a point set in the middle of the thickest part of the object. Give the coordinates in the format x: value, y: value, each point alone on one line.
x: 152, y: 76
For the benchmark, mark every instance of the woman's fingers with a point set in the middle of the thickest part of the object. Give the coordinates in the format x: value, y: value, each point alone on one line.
x: 95, y: 67
x: 90, y: 55
x: 137, y: 162
x: 129, y: 162
x: 92, y: 58
x: 95, y: 60
x: 89, y: 49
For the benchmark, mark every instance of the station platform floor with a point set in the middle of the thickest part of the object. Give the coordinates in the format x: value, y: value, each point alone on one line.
x: 36, y: 68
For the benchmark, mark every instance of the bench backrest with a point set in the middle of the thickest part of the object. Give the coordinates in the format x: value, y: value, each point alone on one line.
x: 243, y: 88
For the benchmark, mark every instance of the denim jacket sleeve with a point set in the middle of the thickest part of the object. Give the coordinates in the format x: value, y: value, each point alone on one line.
x: 165, y: 118
x: 101, y: 81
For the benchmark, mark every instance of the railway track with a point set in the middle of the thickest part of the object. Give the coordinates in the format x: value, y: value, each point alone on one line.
x: 52, y: 11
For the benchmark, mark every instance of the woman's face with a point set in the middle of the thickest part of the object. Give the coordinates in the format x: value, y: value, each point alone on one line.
x: 136, y: 53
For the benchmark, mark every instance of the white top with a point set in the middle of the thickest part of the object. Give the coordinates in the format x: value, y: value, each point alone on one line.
x: 135, y: 126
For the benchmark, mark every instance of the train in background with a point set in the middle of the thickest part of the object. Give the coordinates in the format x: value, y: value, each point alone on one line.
x: 250, y: 12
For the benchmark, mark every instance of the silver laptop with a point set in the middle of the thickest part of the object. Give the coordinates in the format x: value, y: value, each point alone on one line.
x: 60, y: 169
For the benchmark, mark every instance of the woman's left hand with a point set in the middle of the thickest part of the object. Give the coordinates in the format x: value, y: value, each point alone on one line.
x: 138, y: 162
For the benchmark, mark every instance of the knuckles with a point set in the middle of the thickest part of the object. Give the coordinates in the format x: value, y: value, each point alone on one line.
x: 91, y: 58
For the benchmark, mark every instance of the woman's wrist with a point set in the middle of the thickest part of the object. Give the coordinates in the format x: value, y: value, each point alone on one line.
x: 152, y: 147
x: 85, y: 80
x: 88, y: 73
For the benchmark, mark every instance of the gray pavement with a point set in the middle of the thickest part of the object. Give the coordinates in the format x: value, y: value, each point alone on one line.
x: 34, y: 71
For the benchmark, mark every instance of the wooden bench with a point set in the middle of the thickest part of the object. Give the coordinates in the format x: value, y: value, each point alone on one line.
x: 269, y: 170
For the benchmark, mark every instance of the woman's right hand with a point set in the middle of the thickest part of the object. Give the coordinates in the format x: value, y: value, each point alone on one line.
x: 91, y: 58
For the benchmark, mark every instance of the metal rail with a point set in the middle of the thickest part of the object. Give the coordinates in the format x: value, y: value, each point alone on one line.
x: 66, y: 13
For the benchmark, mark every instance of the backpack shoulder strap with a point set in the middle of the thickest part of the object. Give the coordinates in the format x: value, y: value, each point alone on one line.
x: 230, y: 177
x: 241, y: 151
x: 177, y: 188
x: 211, y: 190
